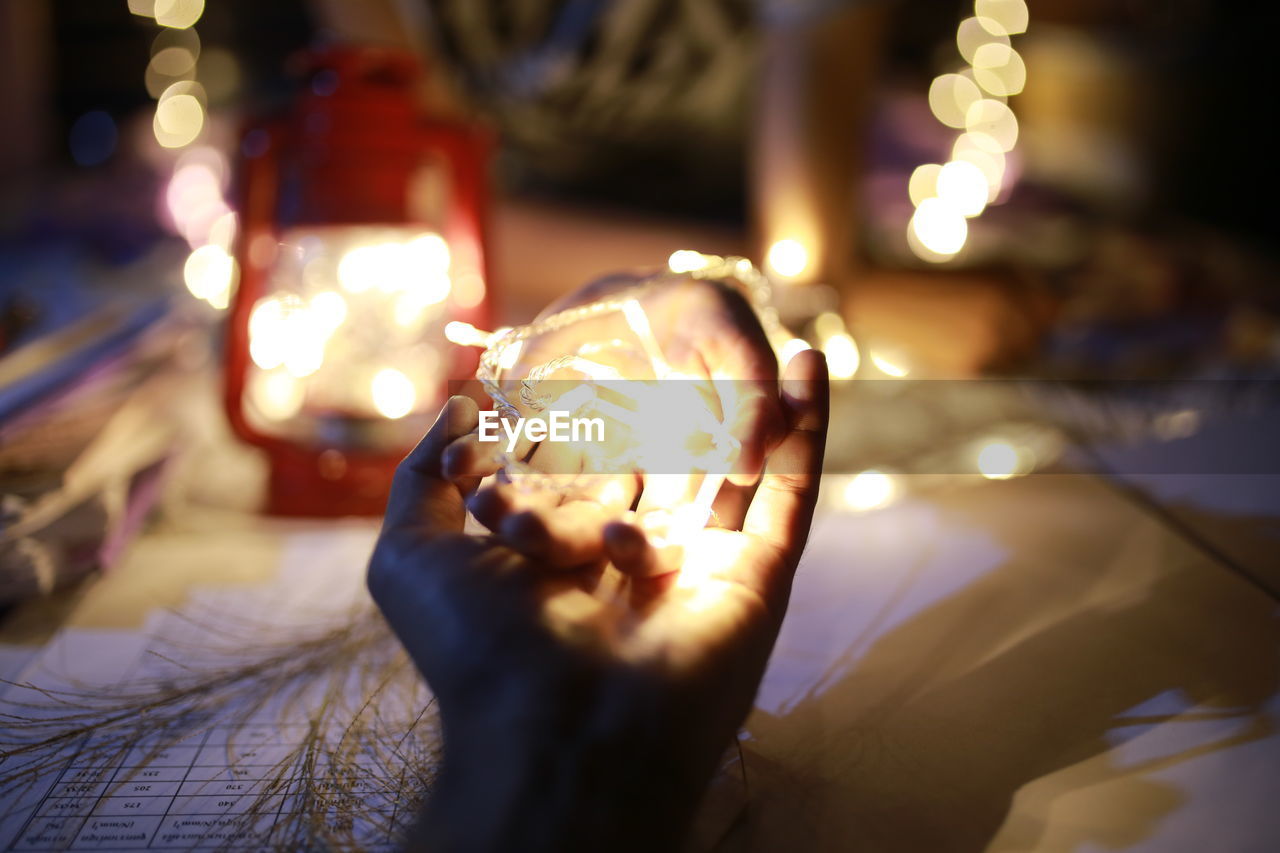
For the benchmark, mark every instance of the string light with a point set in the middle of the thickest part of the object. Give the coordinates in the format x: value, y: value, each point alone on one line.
x: 971, y: 100
x: 868, y: 490
x: 788, y: 258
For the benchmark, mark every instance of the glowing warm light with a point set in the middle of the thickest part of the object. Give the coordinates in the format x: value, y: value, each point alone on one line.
x: 418, y: 270
x: 983, y: 152
x: 791, y: 349
x: 223, y: 230
x: 511, y: 354
x: 178, y: 14
x: 393, y: 393
x: 924, y: 182
x: 468, y: 289
x: 999, y: 69
x: 276, y: 394
x: 194, y: 200
x: 826, y: 324
x: 963, y: 186
x: 418, y: 296
x: 465, y: 334
x: 994, y: 119
x: 428, y: 253
x: 266, y: 333
x: 1011, y: 15
x: 363, y: 267
x: 179, y: 119
x: 303, y: 338
x: 788, y: 258
x: 209, y: 274
x: 843, y: 358
x: 939, y: 227
x: 950, y: 98
x: 869, y: 490
x: 887, y: 366
x: 173, y: 61
x: 143, y: 8
x: 975, y: 33
x: 329, y: 309
x: 998, y: 460
x: 686, y: 260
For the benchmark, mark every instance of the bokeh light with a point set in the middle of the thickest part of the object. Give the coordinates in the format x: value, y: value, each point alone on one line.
x: 843, y: 358
x: 1000, y: 460
x: 788, y: 258
x: 686, y: 260
x: 994, y: 119
x: 950, y: 98
x: 178, y: 14
x: 924, y: 182
x: 939, y: 227
x: 999, y: 69
x: 209, y: 274
x: 869, y: 490
x: 393, y: 393
x: 963, y: 186
x: 179, y: 115
x: 1011, y: 15
x: 975, y: 33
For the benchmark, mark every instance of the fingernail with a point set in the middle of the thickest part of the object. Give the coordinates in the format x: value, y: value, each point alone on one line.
x: 804, y: 386
x: 624, y: 540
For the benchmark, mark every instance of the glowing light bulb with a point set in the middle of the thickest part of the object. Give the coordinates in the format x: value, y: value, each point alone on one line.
x: 429, y: 253
x: 869, y: 490
x: 791, y: 349
x: 209, y: 274
x: 951, y: 96
x: 999, y: 69
x: 362, y: 268
x: 788, y: 258
x: 178, y: 14
x: 889, y: 367
x: 998, y: 460
x: 983, y: 152
x: 465, y: 334
x: 393, y: 393
x: 975, y: 33
x: 994, y: 119
x: 329, y: 309
x: 940, y: 227
x: 843, y: 358
x: 178, y: 120
x: 1011, y: 15
x: 276, y: 394
x: 963, y: 186
x: 686, y: 260
x: 924, y: 182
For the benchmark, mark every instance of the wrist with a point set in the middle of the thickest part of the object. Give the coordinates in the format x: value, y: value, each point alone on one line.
x: 618, y: 790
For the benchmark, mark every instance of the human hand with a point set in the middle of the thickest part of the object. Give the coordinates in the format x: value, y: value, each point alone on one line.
x: 586, y: 710
x: 707, y: 332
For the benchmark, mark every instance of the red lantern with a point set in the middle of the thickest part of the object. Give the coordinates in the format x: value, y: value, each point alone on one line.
x: 362, y: 236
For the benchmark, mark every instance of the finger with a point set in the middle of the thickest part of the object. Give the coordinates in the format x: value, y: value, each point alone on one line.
x: 568, y: 536
x: 730, y: 507
x: 782, y: 509
x: 421, y: 497
x: 468, y: 459
x: 493, y: 503
x: 629, y: 550
x: 616, y: 493
x: 757, y: 421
